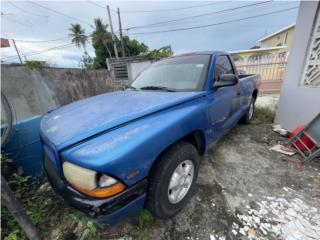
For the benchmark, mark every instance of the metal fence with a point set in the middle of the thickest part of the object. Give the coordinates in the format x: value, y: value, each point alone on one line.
x: 271, y: 69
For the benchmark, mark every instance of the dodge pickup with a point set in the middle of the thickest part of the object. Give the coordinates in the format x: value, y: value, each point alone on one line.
x: 113, y: 154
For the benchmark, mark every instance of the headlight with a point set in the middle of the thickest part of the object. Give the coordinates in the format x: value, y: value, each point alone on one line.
x: 90, y: 183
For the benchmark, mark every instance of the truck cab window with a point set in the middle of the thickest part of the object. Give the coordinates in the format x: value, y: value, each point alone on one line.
x: 223, y: 66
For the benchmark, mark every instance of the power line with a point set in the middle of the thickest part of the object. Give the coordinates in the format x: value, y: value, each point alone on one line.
x: 41, y: 51
x: 214, y: 24
x: 42, y: 41
x: 23, y: 10
x: 197, y: 16
x: 16, y: 21
x: 171, y: 9
x: 58, y: 12
x: 28, y: 51
x: 97, y: 5
x: 37, y: 41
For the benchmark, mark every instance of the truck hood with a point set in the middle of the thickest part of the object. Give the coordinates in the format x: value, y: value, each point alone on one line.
x: 82, y: 119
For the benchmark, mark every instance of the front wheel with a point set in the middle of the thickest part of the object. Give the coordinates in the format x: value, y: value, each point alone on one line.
x: 172, y: 180
x: 246, y: 119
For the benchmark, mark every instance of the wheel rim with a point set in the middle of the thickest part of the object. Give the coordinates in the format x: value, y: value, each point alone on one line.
x: 251, y: 110
x: 180, y: 181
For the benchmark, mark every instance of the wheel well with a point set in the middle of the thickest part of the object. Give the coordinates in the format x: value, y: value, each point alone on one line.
x: 255, y: 94
x: 196, y: 138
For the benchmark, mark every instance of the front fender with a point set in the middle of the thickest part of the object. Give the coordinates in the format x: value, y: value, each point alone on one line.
x: 128, y: 152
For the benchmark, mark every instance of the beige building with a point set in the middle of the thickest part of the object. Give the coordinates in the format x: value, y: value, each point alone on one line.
x: 274, y: 45
x: 283, y: 37
x: 268, y: 59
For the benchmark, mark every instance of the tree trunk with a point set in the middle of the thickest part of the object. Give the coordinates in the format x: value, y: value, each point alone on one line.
x: 14, y: 207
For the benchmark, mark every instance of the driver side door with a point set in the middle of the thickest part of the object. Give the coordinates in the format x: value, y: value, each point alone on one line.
x: 223, y: 100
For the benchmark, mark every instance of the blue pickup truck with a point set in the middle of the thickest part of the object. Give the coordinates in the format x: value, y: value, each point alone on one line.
x: 113, y: 154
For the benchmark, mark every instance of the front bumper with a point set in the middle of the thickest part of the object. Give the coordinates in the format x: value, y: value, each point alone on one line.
x: 105, y: 211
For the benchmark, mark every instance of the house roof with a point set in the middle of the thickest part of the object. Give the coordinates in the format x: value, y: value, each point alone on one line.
x: 257, y: 49
x: 277, y: 32
x: 4, y: 42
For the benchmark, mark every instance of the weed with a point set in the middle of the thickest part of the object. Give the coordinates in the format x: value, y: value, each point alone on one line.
x: 89, y: 231
x: 15, y: 235
x: 45, y: 209
x: 263, y: 115
x: 86, y: 226
x: 145, y: 219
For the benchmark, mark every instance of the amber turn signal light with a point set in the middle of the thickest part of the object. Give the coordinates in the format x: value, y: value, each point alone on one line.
x: 101, y: 192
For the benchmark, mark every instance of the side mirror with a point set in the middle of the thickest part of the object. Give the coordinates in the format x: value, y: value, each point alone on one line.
x: 226, y: 80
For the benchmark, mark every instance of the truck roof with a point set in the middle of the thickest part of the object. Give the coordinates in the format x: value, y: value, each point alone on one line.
x: 201, y: 52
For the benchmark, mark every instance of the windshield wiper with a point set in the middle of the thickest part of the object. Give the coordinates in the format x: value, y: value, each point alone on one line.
x: 129, y: 87
x: 157, y: 88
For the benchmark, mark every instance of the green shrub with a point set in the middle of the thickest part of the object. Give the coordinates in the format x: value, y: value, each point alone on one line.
x: 45, y: 209
x: 36, y: 64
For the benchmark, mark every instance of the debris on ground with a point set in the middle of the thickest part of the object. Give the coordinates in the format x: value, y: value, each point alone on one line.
x: 277, y: 128
x: 283, y: 149
x: 281, y: 218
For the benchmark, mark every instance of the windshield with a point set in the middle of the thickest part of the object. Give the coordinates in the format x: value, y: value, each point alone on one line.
x: 185, y: 73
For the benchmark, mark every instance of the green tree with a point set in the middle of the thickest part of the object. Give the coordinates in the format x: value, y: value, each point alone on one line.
x: 78, y: 35
x: 86, y: 61
x: 160, y: 53
x: 102, y: 44
x: 133, y: 47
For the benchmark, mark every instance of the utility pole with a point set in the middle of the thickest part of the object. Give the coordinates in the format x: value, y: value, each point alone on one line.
x: 112, y: 34
x: 121, y: 36
x: 15, y: 46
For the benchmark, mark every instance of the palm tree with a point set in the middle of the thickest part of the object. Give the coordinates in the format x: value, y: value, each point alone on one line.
x: 100, y: 35
x: 78, y: 35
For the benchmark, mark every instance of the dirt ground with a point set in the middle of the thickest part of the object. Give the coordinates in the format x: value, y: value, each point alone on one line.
x: 244, y: 191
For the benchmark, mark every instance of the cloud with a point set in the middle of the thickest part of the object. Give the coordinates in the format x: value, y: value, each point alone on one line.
x: 35, y: 23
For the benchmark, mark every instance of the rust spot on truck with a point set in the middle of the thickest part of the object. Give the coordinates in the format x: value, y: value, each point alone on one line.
x: 133, y: 174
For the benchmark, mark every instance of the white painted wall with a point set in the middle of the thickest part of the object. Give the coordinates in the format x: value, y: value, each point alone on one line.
x: 299, y: 104
x: 135, y: 68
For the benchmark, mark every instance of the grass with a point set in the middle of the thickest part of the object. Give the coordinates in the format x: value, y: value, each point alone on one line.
x: 263, y: 115
x: 45, y: 208
x: 145, y: 220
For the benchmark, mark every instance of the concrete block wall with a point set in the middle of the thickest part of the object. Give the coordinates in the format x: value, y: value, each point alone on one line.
x: 34, y: 91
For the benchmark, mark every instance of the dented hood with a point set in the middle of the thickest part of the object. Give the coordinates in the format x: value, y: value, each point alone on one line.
x: 82, y: 119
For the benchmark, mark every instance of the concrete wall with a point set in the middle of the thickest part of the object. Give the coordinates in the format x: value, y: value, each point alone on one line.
x: 299, y: 104
x: 34, y: 91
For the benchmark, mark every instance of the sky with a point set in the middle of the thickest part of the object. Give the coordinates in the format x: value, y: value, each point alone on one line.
x: 37, y: 29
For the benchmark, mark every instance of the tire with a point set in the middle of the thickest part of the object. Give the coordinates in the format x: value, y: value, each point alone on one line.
x: 246, y: 119
x: 178, y: 158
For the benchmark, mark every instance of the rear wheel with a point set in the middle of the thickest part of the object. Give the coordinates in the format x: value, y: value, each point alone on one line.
x: 172, y: 180
x: 246, y: 119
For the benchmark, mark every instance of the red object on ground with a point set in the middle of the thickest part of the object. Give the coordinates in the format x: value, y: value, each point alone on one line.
x: 305, y: 139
